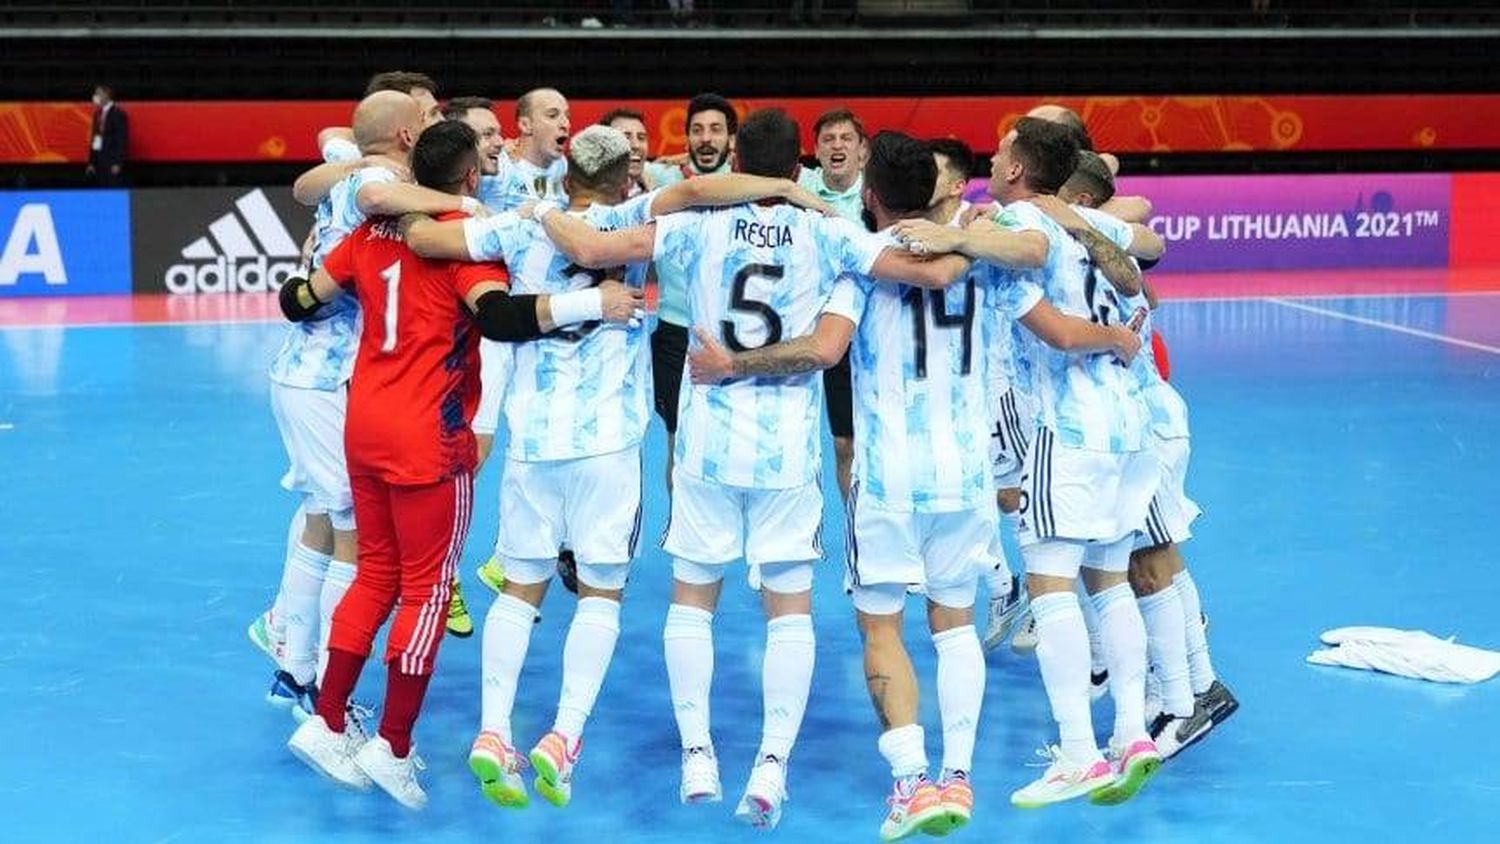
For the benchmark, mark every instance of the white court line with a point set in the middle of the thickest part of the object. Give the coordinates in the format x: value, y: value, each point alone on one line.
x: 179, y: 323
x: 1389, y: 326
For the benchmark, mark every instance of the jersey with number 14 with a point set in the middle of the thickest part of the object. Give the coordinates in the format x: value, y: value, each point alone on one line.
x: 757, y: 275
x: 921, y: 406
x: 582, y: 390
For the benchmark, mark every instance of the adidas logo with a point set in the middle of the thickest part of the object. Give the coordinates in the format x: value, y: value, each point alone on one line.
x: 228, y: 260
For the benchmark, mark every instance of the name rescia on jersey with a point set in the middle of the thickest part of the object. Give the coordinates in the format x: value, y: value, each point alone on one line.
x: 318, y: 354
x: 582, y: 390
x: 756, y: 275
x: 919, y: 390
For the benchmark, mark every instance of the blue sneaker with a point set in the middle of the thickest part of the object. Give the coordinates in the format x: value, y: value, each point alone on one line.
x: 287, y: 693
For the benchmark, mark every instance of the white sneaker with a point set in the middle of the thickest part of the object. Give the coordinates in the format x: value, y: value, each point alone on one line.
x: 1024, y: 642
x: 330, y: 754
x: 268, y: 634
x: 1005, y: 611
x: 1064, y: 779
x: 761, y: 805
x: 395, y: 776
x: 700, y: 776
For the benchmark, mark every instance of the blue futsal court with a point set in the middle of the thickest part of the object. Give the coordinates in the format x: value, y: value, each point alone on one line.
x: 1346, y: 454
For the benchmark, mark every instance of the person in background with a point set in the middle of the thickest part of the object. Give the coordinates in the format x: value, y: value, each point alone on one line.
x: 108, y: 138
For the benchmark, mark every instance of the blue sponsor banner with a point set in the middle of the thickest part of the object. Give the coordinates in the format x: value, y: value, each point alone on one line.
x: 64, y: 243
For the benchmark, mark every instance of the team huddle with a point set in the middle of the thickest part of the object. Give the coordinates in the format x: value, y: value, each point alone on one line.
x: 978, y: 365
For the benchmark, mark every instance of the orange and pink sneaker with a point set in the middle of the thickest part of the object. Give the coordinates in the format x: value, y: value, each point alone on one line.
x: 915, y: 802
x: 956, y: 795
x: 498, y: 766
x: 1134, y: 766
x: 553, y: 758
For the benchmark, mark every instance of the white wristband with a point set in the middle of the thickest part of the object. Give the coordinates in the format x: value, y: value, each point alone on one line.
x: 578, y: 306
x: 542, y: 209
x: 470, y: 205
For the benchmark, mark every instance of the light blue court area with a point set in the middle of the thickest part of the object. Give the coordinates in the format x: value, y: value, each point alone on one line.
x: 1349, y: 473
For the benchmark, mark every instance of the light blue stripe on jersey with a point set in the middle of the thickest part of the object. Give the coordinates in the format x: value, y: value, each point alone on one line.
x: 1089, y: 401
x: 580, y: 391
x: 319, y: 354
x: 519, y: 182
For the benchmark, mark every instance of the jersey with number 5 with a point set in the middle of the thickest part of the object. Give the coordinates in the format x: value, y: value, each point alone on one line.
x: 757, y: 275
x: 921, y: 406
x: 416, y: 379
x: 582, y: 390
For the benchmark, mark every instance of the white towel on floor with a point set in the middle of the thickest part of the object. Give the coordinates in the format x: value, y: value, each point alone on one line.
x: 1408, y: 653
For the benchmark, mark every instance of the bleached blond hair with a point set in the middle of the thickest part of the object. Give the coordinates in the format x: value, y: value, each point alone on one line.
x: 596, y: 150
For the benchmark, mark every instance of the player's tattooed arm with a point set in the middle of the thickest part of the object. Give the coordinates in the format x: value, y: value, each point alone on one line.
x: 1111, y: 260
x: 709, y: 362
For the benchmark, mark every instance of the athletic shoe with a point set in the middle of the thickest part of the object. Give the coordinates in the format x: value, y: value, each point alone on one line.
x: 1005, y: 611
x: 492, y: 574
x: 498, y: 766
x: 553, y: 759
x: 567, y: 570
x: 761, y: 805
x: 330, y: 754
x: 287, y: 693
x: 700, y: 776
x: 1134, y: 765
x: 1024, y: 642
x: 914, y: 803
x: 395, y: 776
x: 268, y: 637
x: 359, y: 720
x: 1098, y: 684
x: 1173, y: 733
x: 1220, y: 702
x: 459, y: 622
x: 1064, y: 779
x: 956, y: 795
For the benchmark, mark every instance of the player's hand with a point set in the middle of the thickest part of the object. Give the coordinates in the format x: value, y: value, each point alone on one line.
x: 622, y: 304
x: 804, y: 198
x: 925, y: 237
x: 526, y: 209
x: 1127, y: 343
x: 975, y: 211
x: 1060, y: 211
x: 709, y: 362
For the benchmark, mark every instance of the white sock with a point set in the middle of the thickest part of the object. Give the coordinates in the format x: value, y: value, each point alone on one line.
x: 786, y: 680
x: 1091, y: 621
x: 301, y: 586
x: 905, y: 748
x: 586, y: 656
x: 293, y: 541
x: 507, y: 635
x: 1124, y: 638
x: 960, y: 687
x: 1062, y: 652
x: 335, y: 584
x: 1200, y: 667
x: 689, y: 642
x: 1166, y: 647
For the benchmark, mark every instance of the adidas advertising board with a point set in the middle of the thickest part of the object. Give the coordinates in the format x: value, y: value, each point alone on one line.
x: 64, y: 243
x: 216, y: 240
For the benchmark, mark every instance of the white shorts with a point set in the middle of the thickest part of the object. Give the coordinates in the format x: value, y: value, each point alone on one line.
x: 312, y: 429
x: 1010, y: 437
x: 496, y: 360
x: 1171, y: 514
x: 592, y: 505
x: 1090, y: 496
x: 714, y: 523
x: 940, y: 551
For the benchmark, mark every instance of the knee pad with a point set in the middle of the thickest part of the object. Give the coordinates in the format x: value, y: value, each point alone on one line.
x: 697, y: 574
x: 604, y: 576
x: 787, y: 578
x: 880, y: 598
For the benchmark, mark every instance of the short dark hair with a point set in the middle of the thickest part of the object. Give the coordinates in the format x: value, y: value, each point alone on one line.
x: 959, y: 156
x: 838, y: 115
x: 621, y: 114
x: 901, y: 172
x: 400, y: 80
x: 1075, y: 124
x: 458, y: 107
x: 769, y: 144
x: 108, y: 91
x: 713, y: 102
x: 1092, y: 176
x: 444, y: 153
x: 1048, y: 153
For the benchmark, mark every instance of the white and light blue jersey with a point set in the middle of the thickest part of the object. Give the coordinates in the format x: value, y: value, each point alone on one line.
x: 581, y: 390
x: 921, y: 409
x: 318, y: 354
x: 1089, y: 401
x: 757, y: 275
x: 671, y: 285
x: 1169, y: 414
x: 520, y: 182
